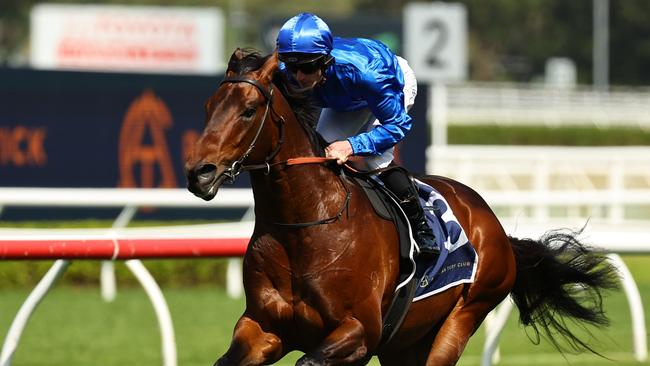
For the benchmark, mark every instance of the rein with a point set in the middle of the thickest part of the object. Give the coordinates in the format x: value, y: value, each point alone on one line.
x: 315, y: 160
x: 237, y: 167
x: 319, y: 160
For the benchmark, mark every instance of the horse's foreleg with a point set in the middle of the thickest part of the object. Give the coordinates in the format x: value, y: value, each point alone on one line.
x: 345, y: 345
x: 251, y: 345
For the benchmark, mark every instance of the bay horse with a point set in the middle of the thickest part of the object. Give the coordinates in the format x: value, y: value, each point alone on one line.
x: 321, y: 267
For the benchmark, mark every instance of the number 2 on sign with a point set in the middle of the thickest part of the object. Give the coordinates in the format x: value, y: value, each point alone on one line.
x: 440, y: 36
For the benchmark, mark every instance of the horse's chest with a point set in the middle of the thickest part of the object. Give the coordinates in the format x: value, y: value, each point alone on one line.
x: 309, y: 296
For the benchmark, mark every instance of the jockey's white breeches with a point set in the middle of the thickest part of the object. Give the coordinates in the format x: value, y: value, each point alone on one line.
x: 334, y: 125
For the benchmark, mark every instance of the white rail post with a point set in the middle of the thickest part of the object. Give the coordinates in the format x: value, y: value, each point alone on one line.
x: 28, y: 308
x: 438, y: 113
x: 494, y: 331
x: 107, y: 273
x: 636, y: 308
x: 234, y: 279
x: 489, y: 325
x: 541, y: 186
x: 616, y: 211
x: 161, y: 309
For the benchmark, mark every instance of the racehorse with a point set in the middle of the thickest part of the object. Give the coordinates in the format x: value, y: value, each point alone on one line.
x: 321, y: 267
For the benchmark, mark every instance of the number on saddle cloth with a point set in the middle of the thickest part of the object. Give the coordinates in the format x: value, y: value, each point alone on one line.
x: 457, y: 261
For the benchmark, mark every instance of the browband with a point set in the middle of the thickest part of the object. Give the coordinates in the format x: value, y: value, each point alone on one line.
x: 242, y: 79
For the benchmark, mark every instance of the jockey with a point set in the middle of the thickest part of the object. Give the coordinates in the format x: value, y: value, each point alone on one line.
x: 365, y: 91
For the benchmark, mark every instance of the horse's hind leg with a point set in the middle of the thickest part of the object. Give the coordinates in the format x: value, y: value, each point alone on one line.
x: 251, y: 345
x: 455, y: 332
x: 444, y: 346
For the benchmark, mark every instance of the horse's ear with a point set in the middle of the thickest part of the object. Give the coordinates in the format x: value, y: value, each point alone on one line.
x: 269, y: 67
x: 235, y: 58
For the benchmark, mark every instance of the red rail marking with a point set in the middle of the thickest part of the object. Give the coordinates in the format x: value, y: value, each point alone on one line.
x: 122, y: 248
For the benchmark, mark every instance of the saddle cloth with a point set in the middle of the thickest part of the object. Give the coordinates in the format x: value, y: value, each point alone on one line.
x: 457, y: 261
x: 422, y: 277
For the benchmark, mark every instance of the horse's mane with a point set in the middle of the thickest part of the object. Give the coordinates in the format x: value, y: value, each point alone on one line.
x: 302, y: 104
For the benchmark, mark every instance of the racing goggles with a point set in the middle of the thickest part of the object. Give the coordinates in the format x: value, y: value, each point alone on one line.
x: 306, y: 65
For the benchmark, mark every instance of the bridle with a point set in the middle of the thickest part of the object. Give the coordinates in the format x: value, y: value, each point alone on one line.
x: 237, y: 166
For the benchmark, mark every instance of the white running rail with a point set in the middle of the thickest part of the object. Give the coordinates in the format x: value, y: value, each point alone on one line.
x: 611, y: 183
x: 535, y: 104
x: 625, y: 237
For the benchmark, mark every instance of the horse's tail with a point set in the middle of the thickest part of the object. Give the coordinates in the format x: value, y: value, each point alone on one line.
x: 559, y: 278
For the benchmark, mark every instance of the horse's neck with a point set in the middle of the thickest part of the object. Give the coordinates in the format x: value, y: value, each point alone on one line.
x: 297, y: 193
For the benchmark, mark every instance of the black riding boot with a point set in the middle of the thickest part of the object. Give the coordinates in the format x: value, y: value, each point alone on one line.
x: 398, y: 182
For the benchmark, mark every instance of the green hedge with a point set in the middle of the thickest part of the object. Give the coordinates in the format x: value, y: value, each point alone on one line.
x: 551, y: 136
x: 168, y: 273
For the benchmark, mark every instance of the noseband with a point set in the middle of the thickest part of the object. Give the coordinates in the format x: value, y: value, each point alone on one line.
x: 237, y: 167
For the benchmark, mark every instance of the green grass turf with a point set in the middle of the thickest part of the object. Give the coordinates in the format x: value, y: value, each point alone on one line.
x: 73, y: 326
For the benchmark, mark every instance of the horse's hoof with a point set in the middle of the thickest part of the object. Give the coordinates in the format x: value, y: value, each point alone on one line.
x: 309, y: 361
x: 221, y: 362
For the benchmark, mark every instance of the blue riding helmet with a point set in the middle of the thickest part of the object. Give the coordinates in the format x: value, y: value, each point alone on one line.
x: 305, y: 33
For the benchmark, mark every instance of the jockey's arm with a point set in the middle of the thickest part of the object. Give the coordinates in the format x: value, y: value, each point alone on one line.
x: 386, y: 101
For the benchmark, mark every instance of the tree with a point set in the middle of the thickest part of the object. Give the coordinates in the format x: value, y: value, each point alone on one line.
x: 508, y: 39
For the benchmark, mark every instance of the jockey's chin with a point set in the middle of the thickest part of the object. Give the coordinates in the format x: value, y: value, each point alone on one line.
x: 307, y: 82
x: 303, y: 89
x: 309, y: 85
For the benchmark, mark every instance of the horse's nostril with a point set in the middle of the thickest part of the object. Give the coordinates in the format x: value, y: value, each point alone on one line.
x: 206, y: 173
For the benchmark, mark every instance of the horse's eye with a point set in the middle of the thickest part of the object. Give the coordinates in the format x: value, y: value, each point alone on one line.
x: 248, y: 113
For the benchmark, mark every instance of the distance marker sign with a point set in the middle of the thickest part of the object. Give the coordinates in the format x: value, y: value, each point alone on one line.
x: 435, y: 37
